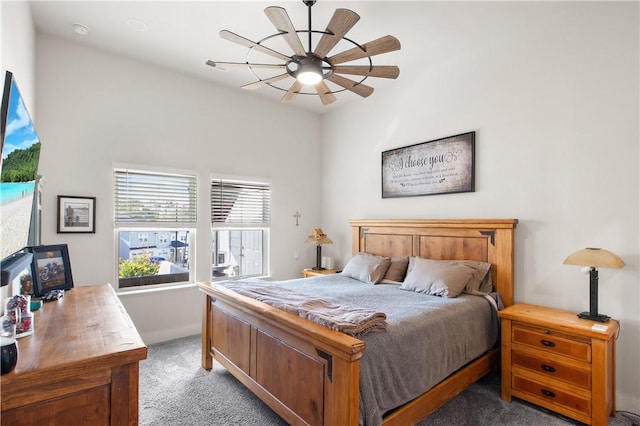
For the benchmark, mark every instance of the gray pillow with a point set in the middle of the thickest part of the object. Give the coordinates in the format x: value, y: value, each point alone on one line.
x: 486, y: 286
x: 486, y: 283
x: 437, y: 277
x: 366, y: 267
x: 397, y: 269
x: 481, y: 282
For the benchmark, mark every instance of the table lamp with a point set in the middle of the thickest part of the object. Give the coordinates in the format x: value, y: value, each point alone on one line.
x: 318, y: 238
x: 594, y: 258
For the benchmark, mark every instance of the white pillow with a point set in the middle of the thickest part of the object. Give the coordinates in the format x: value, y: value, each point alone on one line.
x: 366, y: 267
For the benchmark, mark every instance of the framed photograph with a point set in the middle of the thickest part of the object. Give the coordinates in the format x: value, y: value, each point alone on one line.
x: 441, y: 166
x: 50, y: 269
x: 76, y: 214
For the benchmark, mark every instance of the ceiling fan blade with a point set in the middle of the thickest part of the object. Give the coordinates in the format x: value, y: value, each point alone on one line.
x: 376, y: 47
x: 280, y: 19
x: 224, y: 65
x: 341, y: 22
x: 326, y: 97
x: 261, y: 83
x: 228, y: 35
x: 382, y: 71
x: 359, y: 88
x: 292, y: 92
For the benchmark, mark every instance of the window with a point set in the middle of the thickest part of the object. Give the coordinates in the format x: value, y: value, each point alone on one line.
x: 240, y: 220
x: 155, y: 216
x: 143, y: 238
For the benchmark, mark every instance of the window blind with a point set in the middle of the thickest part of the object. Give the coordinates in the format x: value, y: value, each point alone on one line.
x: 237, y: 202
x: 154, y: 197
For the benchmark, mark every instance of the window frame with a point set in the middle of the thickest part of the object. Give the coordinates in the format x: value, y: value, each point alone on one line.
x: 263, y: 226
x: 150, y: 227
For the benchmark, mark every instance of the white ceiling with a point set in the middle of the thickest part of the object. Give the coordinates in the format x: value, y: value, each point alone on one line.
x: 183, y: 35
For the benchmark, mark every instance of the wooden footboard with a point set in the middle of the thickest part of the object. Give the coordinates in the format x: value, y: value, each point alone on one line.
x: 305, y: 372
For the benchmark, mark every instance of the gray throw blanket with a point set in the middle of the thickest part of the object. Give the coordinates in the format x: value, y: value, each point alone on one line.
x: 350, y: 320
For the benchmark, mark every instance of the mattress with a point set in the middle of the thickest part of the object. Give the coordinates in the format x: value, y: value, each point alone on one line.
x: 427, y: 338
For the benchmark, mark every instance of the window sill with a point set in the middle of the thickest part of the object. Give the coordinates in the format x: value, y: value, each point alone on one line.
x: 236, y: 278
x: 133, y: 290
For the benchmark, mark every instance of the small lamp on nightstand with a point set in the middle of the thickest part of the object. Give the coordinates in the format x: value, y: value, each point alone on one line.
x: 318, y: 238
x: 594, y: 258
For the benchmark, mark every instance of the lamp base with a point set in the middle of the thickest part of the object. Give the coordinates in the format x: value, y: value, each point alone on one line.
x: 594, y: 317
x: 318, y: 266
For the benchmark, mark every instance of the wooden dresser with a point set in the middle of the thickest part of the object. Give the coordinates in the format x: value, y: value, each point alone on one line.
x: 79, y: 367
x: 556, y: 360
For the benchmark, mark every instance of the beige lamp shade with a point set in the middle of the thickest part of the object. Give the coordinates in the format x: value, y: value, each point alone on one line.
x: 318, y: 237
x: 595, y: 257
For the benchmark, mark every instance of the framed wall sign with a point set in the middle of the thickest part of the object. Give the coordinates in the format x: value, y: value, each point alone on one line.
x: 76, y: 214
x: 441, y: 166
x: 50, y: 269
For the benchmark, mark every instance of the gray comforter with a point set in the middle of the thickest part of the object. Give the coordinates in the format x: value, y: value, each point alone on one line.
x: 427, y: 338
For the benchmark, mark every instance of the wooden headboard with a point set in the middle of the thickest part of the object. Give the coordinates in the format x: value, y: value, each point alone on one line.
x: 487, y: 240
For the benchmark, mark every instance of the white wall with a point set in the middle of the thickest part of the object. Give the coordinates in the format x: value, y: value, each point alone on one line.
x: 551, y: 90
x: 17, y: 54
x: 96, y: 109
x: 17, y: 45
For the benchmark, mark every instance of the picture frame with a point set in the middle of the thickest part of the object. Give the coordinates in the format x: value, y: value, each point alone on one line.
x: 50, y: 268
x: 76, y: 214
x: 441, y: 166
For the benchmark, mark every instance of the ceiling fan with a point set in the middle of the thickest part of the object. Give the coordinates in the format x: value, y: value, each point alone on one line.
x: 312, y: 67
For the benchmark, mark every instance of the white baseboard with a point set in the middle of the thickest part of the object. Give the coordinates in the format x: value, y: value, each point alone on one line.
x: 630, y: 403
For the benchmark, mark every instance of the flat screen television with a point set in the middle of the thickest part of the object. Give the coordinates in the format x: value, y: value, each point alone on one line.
x: 19, y: 182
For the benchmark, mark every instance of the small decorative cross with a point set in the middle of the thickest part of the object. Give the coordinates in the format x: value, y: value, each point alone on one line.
x: 297, y: 215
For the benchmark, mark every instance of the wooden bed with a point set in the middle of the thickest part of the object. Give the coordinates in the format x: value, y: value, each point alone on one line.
x: 265, y: 347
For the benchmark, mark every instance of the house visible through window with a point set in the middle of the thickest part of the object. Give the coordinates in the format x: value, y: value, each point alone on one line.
x: 240, y: 220
x: 155, y: 215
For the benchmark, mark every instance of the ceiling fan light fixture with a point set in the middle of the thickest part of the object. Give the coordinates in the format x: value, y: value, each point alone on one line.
x: 308, y: 71
x: 309, y: 77
x: 311, y: 66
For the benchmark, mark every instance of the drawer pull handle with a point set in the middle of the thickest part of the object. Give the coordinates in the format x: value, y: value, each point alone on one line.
x: 547, y: 343
x: 548, y: 368
x: 548, y: 393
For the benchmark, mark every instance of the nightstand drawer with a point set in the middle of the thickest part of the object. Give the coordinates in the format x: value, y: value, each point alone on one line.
x: 553, y: 369
x: 541, y: 394
x: 552, y: 341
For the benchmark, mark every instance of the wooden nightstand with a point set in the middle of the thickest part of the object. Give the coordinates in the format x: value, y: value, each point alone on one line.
x: 554, y: 359
x: 306, y: 273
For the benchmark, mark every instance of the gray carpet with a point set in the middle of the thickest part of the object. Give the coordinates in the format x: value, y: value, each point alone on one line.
x: 175, y: 390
